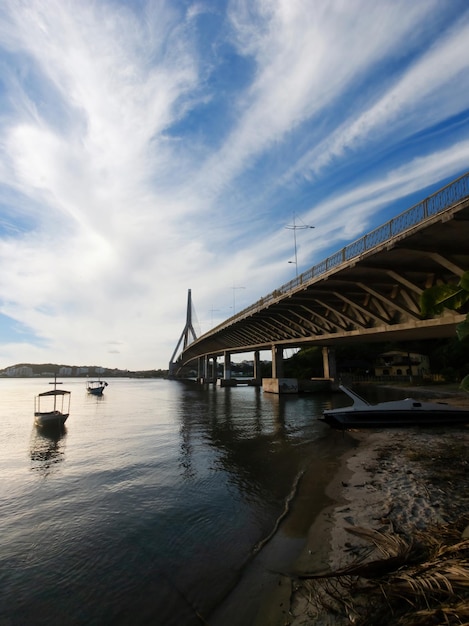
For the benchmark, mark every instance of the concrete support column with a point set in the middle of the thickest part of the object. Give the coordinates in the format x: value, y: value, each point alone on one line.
x: 214, y: 369
x: 227, y: 366
x: 202, y: 369
x: 226, y: 380
x: 277, y: 362
x: 257, y: 366
x: 329, y: 363
x: 279, y: 384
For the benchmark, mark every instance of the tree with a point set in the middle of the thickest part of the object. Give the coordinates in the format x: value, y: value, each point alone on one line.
x: 455, y: 297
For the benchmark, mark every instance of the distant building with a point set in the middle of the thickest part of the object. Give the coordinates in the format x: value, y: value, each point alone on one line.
x: 401, y: 363
x: 65, y: 371
x: 22, y: 371
x: 82, y: 371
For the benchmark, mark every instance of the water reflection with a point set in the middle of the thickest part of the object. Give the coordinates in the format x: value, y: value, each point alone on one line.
x: 251, y: 435
x: 277, y: 407
x: 47, y: 449
x: 90, y: 397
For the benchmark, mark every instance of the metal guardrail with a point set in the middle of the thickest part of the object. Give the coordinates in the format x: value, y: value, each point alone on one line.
x: 442, y: 199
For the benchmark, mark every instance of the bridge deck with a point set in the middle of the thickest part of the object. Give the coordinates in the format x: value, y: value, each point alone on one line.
x: 369, y: 291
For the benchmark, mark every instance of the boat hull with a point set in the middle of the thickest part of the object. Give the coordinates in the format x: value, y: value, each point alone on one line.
x: 96, y: 387
x: 50, y: 419
x: 394, y: 414
x: 395, y: 419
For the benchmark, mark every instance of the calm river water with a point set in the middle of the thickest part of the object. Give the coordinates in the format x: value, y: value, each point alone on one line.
x: 151, y: 506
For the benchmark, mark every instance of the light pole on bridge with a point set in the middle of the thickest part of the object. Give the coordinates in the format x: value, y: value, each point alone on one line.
x: 294, y: 227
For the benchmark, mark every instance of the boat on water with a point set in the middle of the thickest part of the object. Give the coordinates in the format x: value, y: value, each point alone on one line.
x: 52, y: 408
x: 396, y: 414
x: 96, y: 387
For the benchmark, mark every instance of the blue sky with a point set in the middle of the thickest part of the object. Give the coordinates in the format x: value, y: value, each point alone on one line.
x: 148, y: 148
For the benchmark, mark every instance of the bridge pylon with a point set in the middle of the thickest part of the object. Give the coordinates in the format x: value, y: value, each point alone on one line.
x: 185, y: 335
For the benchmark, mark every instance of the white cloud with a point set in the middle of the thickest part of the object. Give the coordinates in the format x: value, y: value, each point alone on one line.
x: 413, y: 102
x: 306, y: 59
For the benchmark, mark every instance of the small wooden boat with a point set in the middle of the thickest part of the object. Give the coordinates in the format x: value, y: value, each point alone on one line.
x: 396, y: 414
x: 96, y: 387
x: 52, y: 408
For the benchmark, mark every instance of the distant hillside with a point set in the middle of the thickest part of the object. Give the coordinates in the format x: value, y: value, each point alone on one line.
x: 29, y: 370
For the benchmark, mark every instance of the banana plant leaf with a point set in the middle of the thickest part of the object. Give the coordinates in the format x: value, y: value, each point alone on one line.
x: 435, y: 299
x: 465, y: 383
x: 462, y: 329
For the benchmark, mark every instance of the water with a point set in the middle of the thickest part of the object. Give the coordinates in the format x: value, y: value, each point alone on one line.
x: 151, y: 505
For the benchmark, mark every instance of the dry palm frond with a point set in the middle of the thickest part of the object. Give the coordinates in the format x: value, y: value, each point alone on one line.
x: 443, y: 534
x: 446, y: 551
x: 457, y: 614
x: 395, y: 549
x: 424, y: 572
x: 439, y: 578
x: 389, y: 544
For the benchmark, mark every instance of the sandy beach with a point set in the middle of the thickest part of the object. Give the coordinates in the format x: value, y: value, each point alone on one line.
x: 397, y: 482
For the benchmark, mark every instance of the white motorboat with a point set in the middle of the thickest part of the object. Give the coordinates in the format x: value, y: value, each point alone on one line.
x: 397, y: 413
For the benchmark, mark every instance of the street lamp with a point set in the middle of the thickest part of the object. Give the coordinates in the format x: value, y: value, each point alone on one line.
x: 294, y: 227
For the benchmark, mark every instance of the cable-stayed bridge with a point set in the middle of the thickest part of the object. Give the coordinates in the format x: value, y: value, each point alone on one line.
x: 368, y: 291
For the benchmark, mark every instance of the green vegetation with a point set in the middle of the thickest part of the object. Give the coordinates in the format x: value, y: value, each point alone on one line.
x: 448, y: 358
x: 455, y: 297
x: 306, y: 363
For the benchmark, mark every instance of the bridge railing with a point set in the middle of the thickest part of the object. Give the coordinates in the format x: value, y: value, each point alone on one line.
x: 454, y: 192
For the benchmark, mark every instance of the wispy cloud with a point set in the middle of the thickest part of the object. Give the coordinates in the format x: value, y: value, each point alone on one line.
x: 148, y: 148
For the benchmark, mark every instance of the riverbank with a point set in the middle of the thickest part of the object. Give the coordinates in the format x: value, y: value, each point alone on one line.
x: 396, y: 482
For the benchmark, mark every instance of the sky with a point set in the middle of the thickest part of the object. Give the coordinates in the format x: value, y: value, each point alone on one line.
x: 152, y: 147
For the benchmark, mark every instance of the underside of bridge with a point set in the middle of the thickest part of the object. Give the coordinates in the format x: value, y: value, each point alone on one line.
x: 373, y: 297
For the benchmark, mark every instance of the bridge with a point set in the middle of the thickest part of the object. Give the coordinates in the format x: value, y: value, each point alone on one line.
x: 367, y: 291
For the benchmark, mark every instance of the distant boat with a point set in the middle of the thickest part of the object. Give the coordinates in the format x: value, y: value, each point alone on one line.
x: 397, y: 414
x: 51, y: 408
x: 96, y: 387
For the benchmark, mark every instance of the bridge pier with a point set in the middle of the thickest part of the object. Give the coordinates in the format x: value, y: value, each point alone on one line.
x: 207, y: 373
x: 227, y: 365
x: 257, y: 367
x: 279, y: 384
x: 226, y: 381
x: 329, y: 364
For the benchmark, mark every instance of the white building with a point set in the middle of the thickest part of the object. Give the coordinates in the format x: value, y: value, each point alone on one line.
x: 22, y: 371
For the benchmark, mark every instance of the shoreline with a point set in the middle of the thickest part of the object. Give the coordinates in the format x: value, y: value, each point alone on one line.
x: 261, y: 594
x: 394, y: 480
